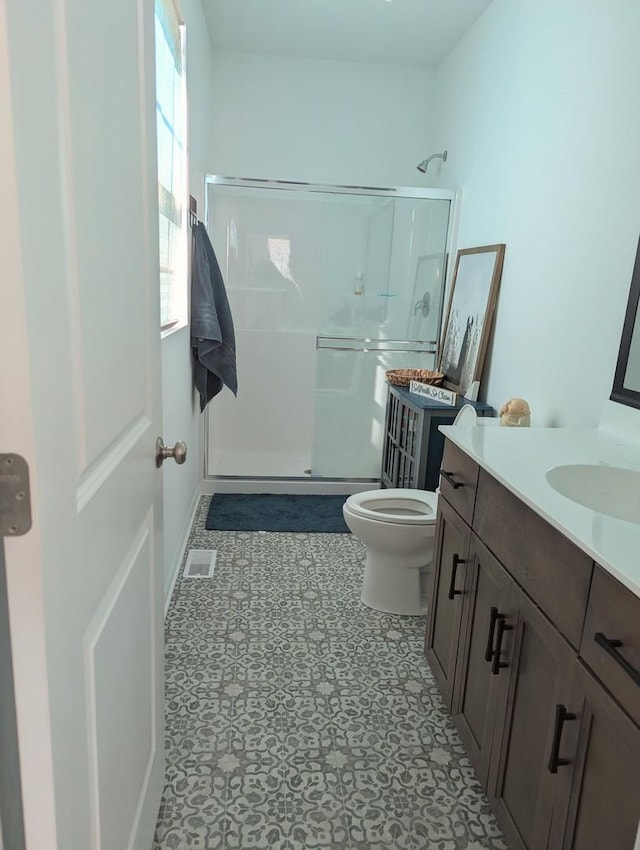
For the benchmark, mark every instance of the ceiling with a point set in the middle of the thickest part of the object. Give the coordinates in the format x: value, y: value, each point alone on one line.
x: 397, y: 32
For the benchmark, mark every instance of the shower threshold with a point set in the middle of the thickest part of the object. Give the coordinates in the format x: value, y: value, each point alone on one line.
x: 293, y: 484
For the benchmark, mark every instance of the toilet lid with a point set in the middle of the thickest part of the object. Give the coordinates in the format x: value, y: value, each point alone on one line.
x: 466, y: 416
x: 402, y: 507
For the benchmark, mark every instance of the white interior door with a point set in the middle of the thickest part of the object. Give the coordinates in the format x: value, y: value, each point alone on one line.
x: 80, y: 355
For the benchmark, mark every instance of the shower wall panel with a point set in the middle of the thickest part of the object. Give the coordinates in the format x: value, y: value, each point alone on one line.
x: 268, y: 429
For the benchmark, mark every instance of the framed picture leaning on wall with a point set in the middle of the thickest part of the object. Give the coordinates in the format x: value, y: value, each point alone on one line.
x: 476, y: 279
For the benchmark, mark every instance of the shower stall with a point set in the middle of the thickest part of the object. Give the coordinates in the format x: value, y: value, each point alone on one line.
x: 329, y: 287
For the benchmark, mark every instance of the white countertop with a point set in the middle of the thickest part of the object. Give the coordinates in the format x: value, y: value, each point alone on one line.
x: 520, y: 457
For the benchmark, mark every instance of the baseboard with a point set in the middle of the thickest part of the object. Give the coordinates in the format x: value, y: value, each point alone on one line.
x: 298, y: 487
x: 185, y: 538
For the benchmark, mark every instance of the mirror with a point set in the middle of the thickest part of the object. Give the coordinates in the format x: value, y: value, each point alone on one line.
x: 626, y: 383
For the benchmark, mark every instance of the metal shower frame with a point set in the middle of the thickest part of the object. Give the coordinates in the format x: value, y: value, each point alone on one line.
x: 451, y: 195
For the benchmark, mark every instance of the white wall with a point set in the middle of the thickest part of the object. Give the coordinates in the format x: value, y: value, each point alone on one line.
x: 320, y: 121
x: 539, y: 108
x: 181, y: 419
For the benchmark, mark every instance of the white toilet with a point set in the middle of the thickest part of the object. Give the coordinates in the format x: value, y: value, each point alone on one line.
x: 398, y: 528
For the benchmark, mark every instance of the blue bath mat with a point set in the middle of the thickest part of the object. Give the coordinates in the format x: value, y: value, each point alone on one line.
x: 276, y: 512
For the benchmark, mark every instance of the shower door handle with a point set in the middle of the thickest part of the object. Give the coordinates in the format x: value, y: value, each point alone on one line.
x: 375, y: 345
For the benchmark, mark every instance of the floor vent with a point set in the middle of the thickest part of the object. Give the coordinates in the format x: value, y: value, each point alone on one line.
x: 200, y: 563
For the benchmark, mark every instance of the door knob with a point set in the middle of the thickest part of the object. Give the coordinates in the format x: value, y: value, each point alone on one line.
x: 178, y: 452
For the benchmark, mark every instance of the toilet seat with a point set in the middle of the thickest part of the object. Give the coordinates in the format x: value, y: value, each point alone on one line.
x: 395, y: 505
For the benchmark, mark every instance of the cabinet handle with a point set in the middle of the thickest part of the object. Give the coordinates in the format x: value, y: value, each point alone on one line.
x: 454, y: 569
x: 488, y: 653
x: 449, y: 477
x: 554, y: 759
x: 611, y: 647
x: 502, y: 628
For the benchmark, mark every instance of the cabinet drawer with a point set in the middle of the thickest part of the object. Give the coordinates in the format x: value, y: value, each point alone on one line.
x: 613, y: 615
x: 459, y: 480
x: 552, y: 571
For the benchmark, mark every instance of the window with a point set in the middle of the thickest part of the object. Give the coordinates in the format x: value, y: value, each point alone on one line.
x: 171, y: 115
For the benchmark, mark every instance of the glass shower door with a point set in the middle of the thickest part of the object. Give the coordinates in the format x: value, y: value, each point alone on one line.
x: 267, y: 242
x: 379, y: 308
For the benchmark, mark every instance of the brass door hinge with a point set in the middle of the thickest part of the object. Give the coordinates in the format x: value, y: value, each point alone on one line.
x: 15, y: 500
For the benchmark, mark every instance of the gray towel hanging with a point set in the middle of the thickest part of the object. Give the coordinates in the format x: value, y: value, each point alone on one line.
x: 213, y: 340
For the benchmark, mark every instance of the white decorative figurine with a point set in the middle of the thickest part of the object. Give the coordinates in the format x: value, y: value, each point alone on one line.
x: 515, y: 412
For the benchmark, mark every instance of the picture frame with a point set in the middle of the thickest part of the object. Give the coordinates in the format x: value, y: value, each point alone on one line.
x: 626, y: 380
x: 474, y: 292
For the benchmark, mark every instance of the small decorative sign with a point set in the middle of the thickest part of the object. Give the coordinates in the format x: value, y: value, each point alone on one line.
x: 435, y: 393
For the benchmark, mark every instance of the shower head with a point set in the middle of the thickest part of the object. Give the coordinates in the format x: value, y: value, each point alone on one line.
x: 425, y: 162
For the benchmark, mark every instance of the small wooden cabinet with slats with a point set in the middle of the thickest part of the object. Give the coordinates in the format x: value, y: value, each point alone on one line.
x: 412, y: 443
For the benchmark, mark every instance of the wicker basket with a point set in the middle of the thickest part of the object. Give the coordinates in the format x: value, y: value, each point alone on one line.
x: 403, y: 377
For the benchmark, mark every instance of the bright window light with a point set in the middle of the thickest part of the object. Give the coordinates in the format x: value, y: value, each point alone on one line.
x: 171, y: 120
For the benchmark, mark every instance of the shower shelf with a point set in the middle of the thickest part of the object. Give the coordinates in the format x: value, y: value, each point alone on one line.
x: 413, y: 446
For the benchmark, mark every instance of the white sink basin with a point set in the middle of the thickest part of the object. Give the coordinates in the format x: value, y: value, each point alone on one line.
x: 605, y: 489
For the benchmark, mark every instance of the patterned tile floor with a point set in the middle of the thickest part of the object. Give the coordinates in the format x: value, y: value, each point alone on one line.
x: 297, y: 718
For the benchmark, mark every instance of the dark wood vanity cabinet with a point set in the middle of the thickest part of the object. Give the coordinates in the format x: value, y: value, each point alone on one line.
x: 598, y: 793
x: 510, y: 670
x: 510, y: 640
x: 444, y: 624
x: 534, y: 681
x: 484, y: 644
x: 598, y: 799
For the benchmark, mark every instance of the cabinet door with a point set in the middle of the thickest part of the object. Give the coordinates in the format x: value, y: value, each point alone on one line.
x: 486, y: 604
x: 535, y: 679
x: 404, y: 457
x: 389, y: 474
x: 445, y: 603
x: 599, y: 789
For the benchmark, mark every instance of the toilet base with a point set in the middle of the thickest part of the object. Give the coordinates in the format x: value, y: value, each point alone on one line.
x: 391, y: 590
